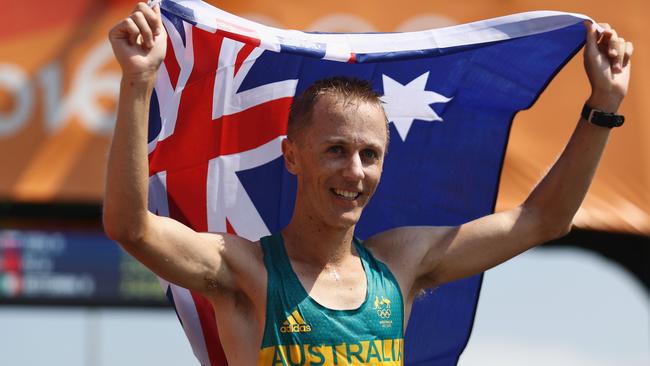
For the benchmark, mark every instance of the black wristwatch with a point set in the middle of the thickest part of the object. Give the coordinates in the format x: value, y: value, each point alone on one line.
x: 600, y: 118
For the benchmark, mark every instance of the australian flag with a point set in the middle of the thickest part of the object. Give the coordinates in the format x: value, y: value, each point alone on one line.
x: 220, y: 108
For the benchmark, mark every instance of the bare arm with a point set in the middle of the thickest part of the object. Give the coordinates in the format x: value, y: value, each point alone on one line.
x: 441, y: 255
x: 167, y: 247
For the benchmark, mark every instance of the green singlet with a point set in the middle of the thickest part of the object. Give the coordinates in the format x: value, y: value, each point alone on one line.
x: 300, y: 331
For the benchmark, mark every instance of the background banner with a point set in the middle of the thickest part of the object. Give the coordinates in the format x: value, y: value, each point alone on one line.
x: 58, y: 87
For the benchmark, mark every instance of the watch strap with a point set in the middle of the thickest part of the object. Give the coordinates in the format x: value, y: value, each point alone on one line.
x: 600, y: 118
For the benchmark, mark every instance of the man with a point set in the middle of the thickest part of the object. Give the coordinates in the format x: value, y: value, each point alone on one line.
x: 312, y: 294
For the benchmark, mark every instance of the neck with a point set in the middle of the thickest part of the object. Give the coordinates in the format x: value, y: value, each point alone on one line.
x: 316, y: 243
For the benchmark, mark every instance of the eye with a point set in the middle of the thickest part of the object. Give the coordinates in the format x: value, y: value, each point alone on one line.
x: 336, y: 149
x: 369, y: 154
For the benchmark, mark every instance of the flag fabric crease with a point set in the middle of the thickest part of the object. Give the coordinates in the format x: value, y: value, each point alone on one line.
x: 219, y: 112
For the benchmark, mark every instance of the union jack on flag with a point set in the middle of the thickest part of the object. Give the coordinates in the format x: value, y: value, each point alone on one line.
x: 220, y: 108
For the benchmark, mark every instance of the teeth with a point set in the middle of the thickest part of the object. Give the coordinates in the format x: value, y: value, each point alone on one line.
x: 347, y: 194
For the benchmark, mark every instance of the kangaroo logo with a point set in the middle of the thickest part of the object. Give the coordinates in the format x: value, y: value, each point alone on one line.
x: 382, y: 307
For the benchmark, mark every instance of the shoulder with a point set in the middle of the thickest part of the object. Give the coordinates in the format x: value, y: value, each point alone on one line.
x: 236, y: 246
x: 244, y: 267
x: 407, y: 250
x: 384, y: 245
x: 243, y: 258
x: 399, y: 242
x: 394, y: 249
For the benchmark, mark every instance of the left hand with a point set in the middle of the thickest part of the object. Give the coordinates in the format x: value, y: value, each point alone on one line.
x: 607, y: 62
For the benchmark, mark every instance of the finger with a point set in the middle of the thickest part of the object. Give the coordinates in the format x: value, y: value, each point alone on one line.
x: 124, y: 30
x: 591, y: 37
x: 629, y: 49
x: 620, y: 54
x: 152, y: 16
x: 159, y: 24
x: 603, y: 40
x: 132, y: 31
x: 145, y: 30
x: 605, y: 33
x: 607, y: 42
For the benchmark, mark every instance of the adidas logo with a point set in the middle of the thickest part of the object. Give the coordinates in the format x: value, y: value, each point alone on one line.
x: 295, y: 324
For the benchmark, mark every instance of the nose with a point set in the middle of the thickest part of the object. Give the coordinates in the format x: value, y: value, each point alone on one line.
x: 353, y: 170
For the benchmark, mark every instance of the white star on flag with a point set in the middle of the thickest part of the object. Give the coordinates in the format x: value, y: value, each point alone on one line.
x: 405, y: 103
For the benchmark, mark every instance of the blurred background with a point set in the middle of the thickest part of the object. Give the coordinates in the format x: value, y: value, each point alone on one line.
x: 69, y: 296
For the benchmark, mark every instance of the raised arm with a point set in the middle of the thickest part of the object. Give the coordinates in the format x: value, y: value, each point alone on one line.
x: 440, y: 255
x: 167, y: 247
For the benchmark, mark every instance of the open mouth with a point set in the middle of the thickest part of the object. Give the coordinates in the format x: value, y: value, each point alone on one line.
x: 346, y: 195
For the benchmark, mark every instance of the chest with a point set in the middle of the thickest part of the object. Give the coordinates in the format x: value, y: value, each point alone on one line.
x: 339, y: 288
x: 352, y: 315
x: 315, y: 307
x: 365, y: 327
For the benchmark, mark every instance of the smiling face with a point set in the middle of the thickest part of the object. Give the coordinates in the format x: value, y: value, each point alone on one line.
x: 337, y: 158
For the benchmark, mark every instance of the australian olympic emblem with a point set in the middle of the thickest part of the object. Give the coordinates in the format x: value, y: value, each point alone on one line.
x: 382, y: 306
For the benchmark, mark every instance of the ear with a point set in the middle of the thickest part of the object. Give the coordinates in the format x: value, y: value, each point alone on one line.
x: 289, y: 152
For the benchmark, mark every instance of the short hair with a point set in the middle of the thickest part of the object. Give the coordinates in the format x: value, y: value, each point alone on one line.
x: 347, y: 89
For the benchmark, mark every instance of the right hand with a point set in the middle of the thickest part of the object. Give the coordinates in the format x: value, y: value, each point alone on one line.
x: 139, y: 42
